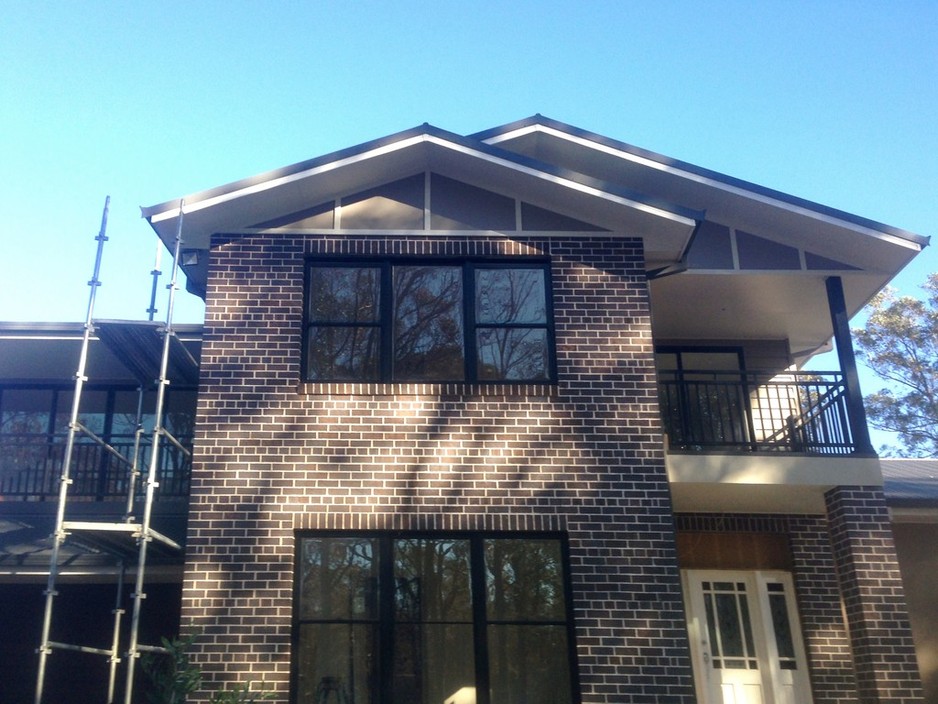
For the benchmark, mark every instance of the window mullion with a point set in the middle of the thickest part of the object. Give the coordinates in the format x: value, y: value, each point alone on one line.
x: 469, y: 324
x: 384, y: 662
x: 479, y: 620
x: 387, y: 323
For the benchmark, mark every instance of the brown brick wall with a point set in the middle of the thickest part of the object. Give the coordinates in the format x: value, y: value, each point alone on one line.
x: 585, y: 456
x: 874, y: 599
x: 842, y: 564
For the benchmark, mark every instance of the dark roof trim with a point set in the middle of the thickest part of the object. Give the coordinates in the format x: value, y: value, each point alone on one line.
x: 729, y: 181
x: 425, y: 130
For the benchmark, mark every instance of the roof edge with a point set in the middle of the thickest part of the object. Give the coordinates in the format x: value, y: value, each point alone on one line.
x: 537, y: 120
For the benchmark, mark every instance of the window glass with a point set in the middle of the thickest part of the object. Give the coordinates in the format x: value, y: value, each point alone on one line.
x: 336, y: 663
x: 25, y: 411
x: 91, y: 413
x: 431, y: 580
x: 24, y: 422
x: 420, y: 322
x: 342, y: 354
x: 433, y: 614
x: 512, y: 355
x: 510, y: 296
x: 784, y: 641
x: 524, y: 580
x: 529, y: 664
x: 180, y: 412
x: 420, y: 633
x: 338, y: 349
x: 124, y: 422
x: 344, y: 294
x: 338, y: 578
x: 428, y: 323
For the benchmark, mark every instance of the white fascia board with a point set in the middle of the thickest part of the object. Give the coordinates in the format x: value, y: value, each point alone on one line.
x: 413, y: 141
x: 566, y: 183
x: 285, y: 180
x: 706, y: 181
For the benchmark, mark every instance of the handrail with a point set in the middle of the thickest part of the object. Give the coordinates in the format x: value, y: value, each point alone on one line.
x: 31, y: 463
x: 746, y: 411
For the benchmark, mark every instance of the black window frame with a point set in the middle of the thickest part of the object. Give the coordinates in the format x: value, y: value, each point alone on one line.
x: 468, y: 268
x: 385, y: 595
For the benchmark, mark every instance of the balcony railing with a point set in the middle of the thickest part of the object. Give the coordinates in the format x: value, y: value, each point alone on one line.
x: 736, y: 411
x: 31, y: 467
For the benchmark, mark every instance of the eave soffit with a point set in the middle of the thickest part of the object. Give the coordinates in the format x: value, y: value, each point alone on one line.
x: 767, y: 213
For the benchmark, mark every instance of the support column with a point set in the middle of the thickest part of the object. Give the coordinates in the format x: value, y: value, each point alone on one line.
x: 827, y: 641
x: 848, y: 365
x: 874, y: 600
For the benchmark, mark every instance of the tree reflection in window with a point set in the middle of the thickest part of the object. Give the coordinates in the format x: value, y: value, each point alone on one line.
x: 431, y: 618
x: 344, y: 312
x: 428, y: 322
x: 511, y: 319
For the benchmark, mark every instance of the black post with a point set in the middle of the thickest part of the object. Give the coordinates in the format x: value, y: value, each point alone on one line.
x: 848, y: 365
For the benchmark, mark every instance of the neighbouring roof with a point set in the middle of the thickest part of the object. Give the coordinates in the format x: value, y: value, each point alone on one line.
x: 911, y: 483
x: 119, y: 352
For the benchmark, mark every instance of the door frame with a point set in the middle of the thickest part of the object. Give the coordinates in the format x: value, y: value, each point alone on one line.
x: 779, y: 685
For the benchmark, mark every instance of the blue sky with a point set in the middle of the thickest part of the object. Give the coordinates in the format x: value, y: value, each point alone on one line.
x: 833, y: 101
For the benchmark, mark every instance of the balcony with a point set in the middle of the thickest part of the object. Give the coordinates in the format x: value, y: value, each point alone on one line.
x: 733, y: 412
x: 31, y: 466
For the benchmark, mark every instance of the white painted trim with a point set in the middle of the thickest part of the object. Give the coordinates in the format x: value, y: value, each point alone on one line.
x: 773, y: 470
x: 568, y: 183
x: 439, y: 142
x: 707, y: 181
x: 291, y: 178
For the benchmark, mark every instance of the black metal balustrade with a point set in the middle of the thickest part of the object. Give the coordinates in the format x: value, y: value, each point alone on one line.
x: 736, y: 411
x: 31, y: 467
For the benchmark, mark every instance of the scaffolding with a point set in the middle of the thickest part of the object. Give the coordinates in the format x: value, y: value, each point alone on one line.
x: 133, y: 539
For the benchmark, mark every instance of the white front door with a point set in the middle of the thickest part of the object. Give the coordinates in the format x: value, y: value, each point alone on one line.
x: 745, y: 639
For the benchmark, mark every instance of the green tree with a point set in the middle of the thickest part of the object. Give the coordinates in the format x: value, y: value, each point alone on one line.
x: 900, y: 344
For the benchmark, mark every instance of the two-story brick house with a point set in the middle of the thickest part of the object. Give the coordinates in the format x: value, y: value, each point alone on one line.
x: 518, y: 417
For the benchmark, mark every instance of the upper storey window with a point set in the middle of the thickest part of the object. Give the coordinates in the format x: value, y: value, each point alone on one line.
x: 428, y: 321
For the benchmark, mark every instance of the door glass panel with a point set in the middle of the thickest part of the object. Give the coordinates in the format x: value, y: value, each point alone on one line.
x: 784, y: 642
x: 729, y: 626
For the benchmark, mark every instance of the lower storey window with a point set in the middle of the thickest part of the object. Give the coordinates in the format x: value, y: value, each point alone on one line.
x: 432, y: 619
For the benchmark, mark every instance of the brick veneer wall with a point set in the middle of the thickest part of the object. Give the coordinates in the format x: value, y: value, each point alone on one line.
x: 843, y: 564
x: 820, y: 611
x: 874, y: 599
x: 585, y: 456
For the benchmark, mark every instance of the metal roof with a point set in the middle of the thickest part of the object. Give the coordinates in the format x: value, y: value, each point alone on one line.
x: 911, y: 482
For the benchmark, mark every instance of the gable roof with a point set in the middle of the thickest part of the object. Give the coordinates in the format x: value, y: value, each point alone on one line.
x: 628, y: 191
x: 725, y: 199
x: 236, y: 205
